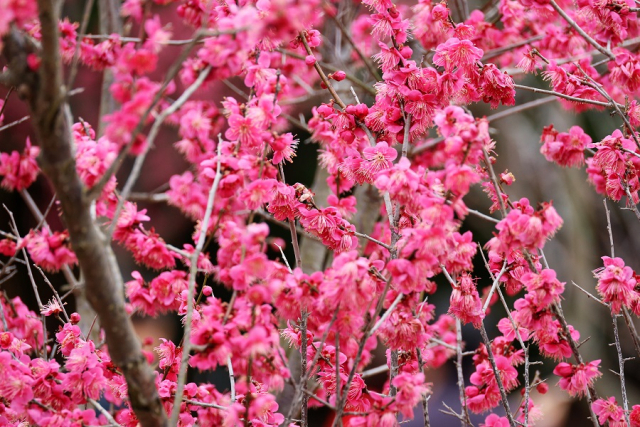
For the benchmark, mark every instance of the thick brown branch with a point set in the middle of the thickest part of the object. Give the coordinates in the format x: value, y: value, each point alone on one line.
x: 46, y: 98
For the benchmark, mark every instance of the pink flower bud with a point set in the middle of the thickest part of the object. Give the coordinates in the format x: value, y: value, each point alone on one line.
x: 339, y: 75
x: 310, y: 60
x: 75, y: 318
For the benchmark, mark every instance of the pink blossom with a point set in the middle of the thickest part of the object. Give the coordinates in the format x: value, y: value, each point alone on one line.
x: 577, y: 379
x: 566, y: 149
x: 494, y: 420
x: 616, y: 283
x: 19, y: 169
x: 456, y: 53
x: 51, y: 251
x: 497, y: 87
x: 543, y: 288
x: 52, y: 308
x: 635, y: 416
x: 465, y: 302
x: 410, y: 389
x: 608, y: 411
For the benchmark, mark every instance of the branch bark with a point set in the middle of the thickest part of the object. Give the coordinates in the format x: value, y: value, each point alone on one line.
x: 46, y: 96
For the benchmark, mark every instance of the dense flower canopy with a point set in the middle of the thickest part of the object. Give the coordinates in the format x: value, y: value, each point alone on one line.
x: 396, y: 122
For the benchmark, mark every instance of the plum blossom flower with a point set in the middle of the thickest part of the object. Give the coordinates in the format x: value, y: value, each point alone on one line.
x: 19, y: 169
x: 465, y: 303
x: 616, y: 283
x: 494, y: 420
x: 608, y: 411
x: 52, y: 308
x: 456, y: 53
x: 51, y: 251
x: 576, y: 379
x: 410, y: 389
x: 566, y: 149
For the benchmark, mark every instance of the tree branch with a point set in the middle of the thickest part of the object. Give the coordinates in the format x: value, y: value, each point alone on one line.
x: 51, y: 118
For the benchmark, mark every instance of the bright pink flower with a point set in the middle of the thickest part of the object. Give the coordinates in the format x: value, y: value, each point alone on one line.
x: 544, y: 288
x: 85, y: 379
x: 506, y: 328
x: 50, y: 251
x: 494, y: 420
x: 616, y: 283
x: 410, y: 389
x: 525, y: 228
x: 566, y: 149
x: 149, y: 249
x: 376, y: 159
x: 258, y: 193
x: 465, y: 303
x: 577, y: 379
x: 20, y: 170
x: 456, y: 53
x: 243, y: 130
x: 166, y: 287
x: 68, y: 338
x: 169, y: 358
x: 497, y: 87
x: 608, y: 411
x: 284, y: 148
x: 481, y: 399
x: 7, y: 247
x: 635, y: 416
x: 52, y: 308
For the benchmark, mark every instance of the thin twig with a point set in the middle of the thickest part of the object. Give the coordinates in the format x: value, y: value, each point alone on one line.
x: 347, y: 35
x: 606, y: 210
x: 17, y: 122
x: 496, y: 372
x: 632, y: 330
x: 465, y: 420
x: 625, y: 399
x: 387, y: 313
x: 137, y: 167
x: 496, y: 283
x: 186, y: 348
x: 494, y: 180
x: 580, y: 31
x: 232, y: 379
x: 55, y: 293
x: 86, y: 15
x: 103, y: 411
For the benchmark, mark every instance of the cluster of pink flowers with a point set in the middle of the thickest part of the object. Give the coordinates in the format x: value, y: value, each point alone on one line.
x: 372, y: 289
x: 19, y: 170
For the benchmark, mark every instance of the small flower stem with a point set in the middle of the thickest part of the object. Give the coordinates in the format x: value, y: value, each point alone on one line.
x: 606, y: 210
x: 496, y: 284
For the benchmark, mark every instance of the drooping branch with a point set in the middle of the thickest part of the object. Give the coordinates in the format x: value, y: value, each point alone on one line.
x: 46, y: 97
